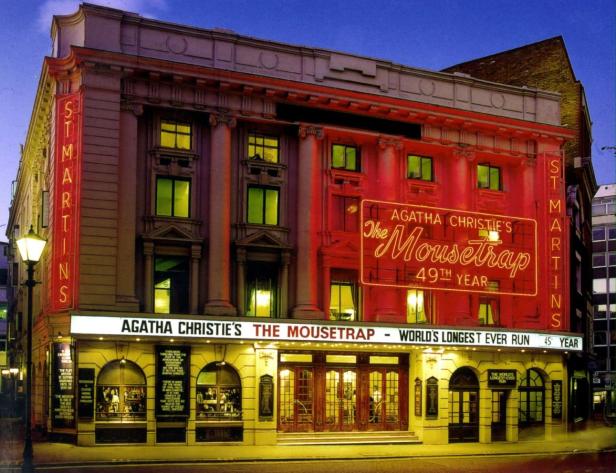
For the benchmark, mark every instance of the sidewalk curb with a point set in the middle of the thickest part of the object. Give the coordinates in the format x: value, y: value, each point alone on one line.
x: 189, y: 461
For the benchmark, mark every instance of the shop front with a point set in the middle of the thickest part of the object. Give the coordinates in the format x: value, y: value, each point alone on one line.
x: 251, y: 382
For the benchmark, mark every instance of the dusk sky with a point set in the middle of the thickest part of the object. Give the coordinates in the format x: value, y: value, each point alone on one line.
x: 428, y: 34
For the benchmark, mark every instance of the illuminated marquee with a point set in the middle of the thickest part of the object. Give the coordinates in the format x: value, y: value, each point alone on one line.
x: 257, y: 330
x: 406, y: 245
x: 67, y: 183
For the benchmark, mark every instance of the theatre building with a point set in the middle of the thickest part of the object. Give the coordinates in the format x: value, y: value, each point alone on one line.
x: 252, y: 242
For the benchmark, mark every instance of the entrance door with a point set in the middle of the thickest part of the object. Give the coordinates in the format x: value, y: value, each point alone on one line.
x: 463, y: 406
x: 499, y: 416
x: 296, y: 387
x: 383, y: 398
x: 340, y: 399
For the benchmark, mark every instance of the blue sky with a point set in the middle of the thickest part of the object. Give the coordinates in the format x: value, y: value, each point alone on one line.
x: 428, y: 34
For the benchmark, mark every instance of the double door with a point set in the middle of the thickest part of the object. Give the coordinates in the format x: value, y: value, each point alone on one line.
x: 339, y: 399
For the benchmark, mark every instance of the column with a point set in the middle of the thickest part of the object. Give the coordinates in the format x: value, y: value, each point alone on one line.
x: 127, y: 189
x: 388, y: 299
x: 148, y: 294
x: 240, y: 256
x: 219, y: 269
x: 195, y: 257
x: 308, y: 221
x: 285, y: 258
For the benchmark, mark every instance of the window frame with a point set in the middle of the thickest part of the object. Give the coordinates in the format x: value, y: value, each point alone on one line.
x: 344, y: 279
x: 263, y: 136
x: 175, y: 292
x: 489, y: 184
x: 421, y: 176
x: 345, y: 166
x: 349, y: 221
x: 176, y: 133
x: 173, y: 180
x: 263, y: 211
x: 426, y: 298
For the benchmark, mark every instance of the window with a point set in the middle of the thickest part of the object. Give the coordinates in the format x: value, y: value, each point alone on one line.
x: 611, y: 259
x: 601, y: 286
x: 611, y: 233
x: 598, y: 260
x: 219, y: 393
x: 261, y: 284
x: 170, y: 285
x: 532, y: 393
x: 419, y: 167
x: 488, y: 313
x: 175, y: 135
x: 263, y: 148
x: 343, y: 296
x: 488, y: 177
x: 345, y: 157
x: 121, y: 392
x: 263, y: 205
x: 172, y: 197
x: 598, y: 233
x: 600, y: 311
x: 417, y: 306
x: 345, y: 213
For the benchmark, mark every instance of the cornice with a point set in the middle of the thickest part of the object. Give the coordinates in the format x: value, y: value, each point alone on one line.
x: 313, y: 95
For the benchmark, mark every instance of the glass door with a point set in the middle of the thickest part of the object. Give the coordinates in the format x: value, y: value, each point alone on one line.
x: 383, y: 399
x: 340, y: 399
x: 296, y: 401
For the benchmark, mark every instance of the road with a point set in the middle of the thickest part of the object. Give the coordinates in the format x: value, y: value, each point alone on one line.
x: 603, y: 462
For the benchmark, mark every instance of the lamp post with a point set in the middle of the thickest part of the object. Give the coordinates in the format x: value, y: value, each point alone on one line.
x: 30, y: 249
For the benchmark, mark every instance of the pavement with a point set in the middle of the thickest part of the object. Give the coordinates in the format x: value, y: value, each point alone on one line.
x: 595, y: 439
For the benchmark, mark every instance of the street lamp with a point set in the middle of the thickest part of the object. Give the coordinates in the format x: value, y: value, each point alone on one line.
x: 30, y: 249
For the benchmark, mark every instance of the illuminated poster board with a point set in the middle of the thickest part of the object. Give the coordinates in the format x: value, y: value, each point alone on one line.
x: 405, y: 245
x: 172, y: 381
x: 66, y: 202
x: 63, y: 385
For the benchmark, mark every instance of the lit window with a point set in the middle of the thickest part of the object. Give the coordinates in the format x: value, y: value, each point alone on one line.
x: 263, y: 205
x: 263, y: 148
x: 218, y: 393
x: 417, y: 305
x: 345, y: 157
x: 172, y: 197
x: 488, y: 177
x: 488, y: 306
x: 170, y: 285
x: 345, y: 213
x: 261, y: 284
x: 601, y: 286
x: 419, y: 167
x: 121, y: 392
x: 343, y: 301
x: 175, y: 135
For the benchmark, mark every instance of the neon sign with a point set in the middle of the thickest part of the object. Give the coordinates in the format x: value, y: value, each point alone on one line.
x: 555, y: 227
x: 67, y: 183
x: 405, y: 245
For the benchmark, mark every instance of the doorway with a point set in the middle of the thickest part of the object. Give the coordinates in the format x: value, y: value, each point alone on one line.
x: 499, y: 415
x: 340, y: 399
x: 463, y: 406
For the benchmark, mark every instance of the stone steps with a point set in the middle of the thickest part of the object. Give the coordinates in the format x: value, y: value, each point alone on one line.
x: 347, y: 438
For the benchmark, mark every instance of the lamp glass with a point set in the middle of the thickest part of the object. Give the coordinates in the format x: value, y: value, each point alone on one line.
x: 31, y: 246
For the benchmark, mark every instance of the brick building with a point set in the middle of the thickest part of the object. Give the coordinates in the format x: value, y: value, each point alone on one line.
x: 263, y: 243
x: 546, y: 65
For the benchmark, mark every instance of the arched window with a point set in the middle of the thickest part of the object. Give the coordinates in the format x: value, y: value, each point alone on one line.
x: 219, y: 393
x: 121, y: 392
x: 463, y: 406
x: 532, y: 399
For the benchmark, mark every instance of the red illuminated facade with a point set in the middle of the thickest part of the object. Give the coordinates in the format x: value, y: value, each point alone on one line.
x: 322, y: 242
